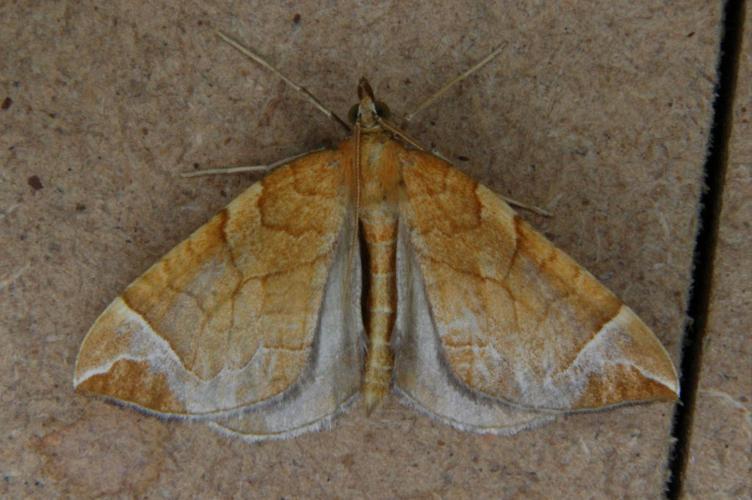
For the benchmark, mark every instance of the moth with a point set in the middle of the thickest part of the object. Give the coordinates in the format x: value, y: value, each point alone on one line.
x: 369, y: 268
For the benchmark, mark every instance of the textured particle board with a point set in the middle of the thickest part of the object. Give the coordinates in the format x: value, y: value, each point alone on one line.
x: 598, y: 111
x: 720, y: 459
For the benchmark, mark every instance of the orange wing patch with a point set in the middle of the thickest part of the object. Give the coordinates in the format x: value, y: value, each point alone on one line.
x: 227, y: 318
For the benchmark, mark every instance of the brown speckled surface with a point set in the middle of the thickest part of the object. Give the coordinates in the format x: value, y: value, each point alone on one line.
x: 720, y: 452
x: 598, y: 111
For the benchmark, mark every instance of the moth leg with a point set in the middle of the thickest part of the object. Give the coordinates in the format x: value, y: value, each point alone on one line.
x: 508, y: 200
x: 260, y: 60
x: 246, y: 168
x: 524, y: 206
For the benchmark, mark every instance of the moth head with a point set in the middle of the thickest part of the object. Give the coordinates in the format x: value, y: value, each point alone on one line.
x: 368, y: 109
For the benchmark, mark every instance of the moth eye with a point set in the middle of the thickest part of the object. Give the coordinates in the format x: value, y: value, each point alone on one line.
x: 382, y: 110
x: 352, y: 115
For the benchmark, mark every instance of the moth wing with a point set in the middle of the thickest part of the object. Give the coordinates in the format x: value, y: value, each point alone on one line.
x: 229, y: 317
x: 421, y: 376
x: 334, y: 381
x: 519, y: 320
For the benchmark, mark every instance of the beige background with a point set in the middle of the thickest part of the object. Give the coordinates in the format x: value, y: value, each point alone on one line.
x: 596, y: 110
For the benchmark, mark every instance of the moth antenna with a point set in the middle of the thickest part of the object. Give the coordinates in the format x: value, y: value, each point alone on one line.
x: 246, y: 168
x: 427, y: 102
x: 260, y: 60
